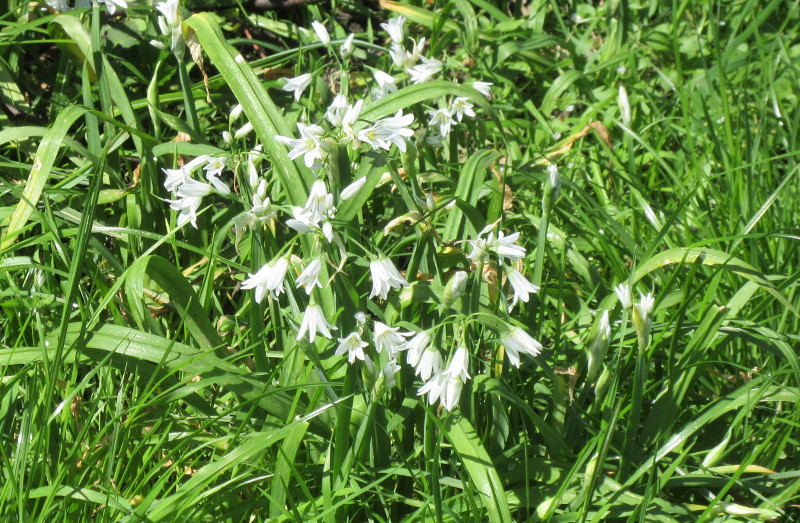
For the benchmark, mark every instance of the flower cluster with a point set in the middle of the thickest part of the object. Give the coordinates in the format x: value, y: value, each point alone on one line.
x: 315, y: 247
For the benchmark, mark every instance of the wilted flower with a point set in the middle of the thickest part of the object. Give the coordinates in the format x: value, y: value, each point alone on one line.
x: 385, y: 276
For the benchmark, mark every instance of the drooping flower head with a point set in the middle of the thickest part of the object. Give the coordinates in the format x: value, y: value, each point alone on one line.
x: 385, y: 276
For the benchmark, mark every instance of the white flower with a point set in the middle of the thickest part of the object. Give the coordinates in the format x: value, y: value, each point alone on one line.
x: 187, y: 206
x: 385, y: 276
x: 252, y: 172
x: 351, y: 190
x: 322, y: 33
x: 441, y: 118
x: 416, y: 346
x: 624, y: 106
x: 520, y: 285
x: 386, y: 84
x: 623, y: 291
x: 309, y: 278
x: 175, y: 178
x: 170, y: 23
x: 461, y: 107
x: 313, y: 321
x: 311, y: 145
x: 516, y: 341
x: 336, y: 110
x: 434, y: 387
x: 459, y: 363
x: 353, y: 346
x: 243, y: 130
x: 505, y: 246
x: 485, y: 88
x: 58, y: 5
x: 113, y: 4
x: 268, y: 278
x: 645, y: 305
x: 429, y: 363
x: 320, y: 202
x: 347, y: 46
x: 393, y: 130
x: 553, y: 182
x: 389, y: 338
x: 297, y: 84
x: 360, y: 318
x: 350, y: 118
x: 388, y: 372
x: 193, y: 188
x: 262, y: 207
x: 236, y: 112
x: 425, y: 71
x: 395, y: 28
x: 642, y: 315
x: 214, y: 165
x: 302, y: 221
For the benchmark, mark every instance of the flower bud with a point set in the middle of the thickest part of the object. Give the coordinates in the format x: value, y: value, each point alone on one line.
x: 600, y: 337
x: 454, y: 288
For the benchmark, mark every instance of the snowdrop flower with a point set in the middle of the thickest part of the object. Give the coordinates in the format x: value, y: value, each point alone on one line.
x: 389, y: 338
x: 193, y: 189
x: 442, y: 118
x: 311, y: 145
x: 187, y: 207
x: 262, y: 207
x: 429, y: 363
x: 309, y: 278
x: 214, y: 165
x: 297, y: 84
x: 269, y: 278
x: 351, y: 190
x: 314, y: 321
x: 320, y: 202
x: 395, y: 28
x: 347, y: 46
x: 485, y: 88
x: 416, y: 346
x: 243, y: 130
x: 322, y: 33
x: 113, y: 4
x: 505, y: 247
x: 623, y: 291
x: 425, y: 71
x: 170, y: 24
x: 516, y: 341
x: 236, y: 112
x: 520, y: 285
x: 336, y: 110
x: 386, y: 84
x: 385, y: 276
x: 353, y: 346
x: 461, y: 107
x: 393, y: 130
x: 175, y: 178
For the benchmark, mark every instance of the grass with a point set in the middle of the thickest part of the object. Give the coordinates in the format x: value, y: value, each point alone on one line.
x: 140, y: 382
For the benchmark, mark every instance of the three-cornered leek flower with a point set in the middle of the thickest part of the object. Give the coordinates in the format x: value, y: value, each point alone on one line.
x: 385, y: 276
